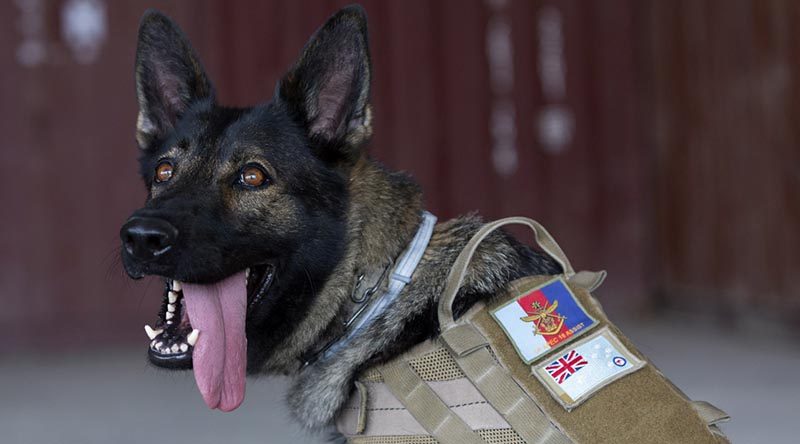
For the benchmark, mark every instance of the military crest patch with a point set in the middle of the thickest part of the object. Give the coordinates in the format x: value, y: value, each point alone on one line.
x: 543, y: 319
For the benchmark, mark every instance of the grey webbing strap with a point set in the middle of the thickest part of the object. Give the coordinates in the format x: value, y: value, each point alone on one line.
x: 400, y: 277
x: 710, y: 413
x: 459, y: 269
x: 498, y: 387
x: 426, y: 407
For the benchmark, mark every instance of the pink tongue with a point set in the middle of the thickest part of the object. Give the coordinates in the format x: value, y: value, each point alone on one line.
x: 220, y: 355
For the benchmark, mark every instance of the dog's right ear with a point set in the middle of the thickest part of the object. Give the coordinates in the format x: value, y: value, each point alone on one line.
x: 169, y: 77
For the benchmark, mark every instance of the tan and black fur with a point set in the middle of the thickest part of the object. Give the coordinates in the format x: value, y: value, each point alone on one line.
x: 327, y: 214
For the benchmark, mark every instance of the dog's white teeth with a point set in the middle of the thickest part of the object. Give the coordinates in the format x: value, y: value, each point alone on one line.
x: 172, y: 297
x: 247, y: 274
x: 169, y: 314
x: 192, y: 338
x: 176, y: 286
x: 171, y: 308
x: 152, y: 333
x: 182, y: 347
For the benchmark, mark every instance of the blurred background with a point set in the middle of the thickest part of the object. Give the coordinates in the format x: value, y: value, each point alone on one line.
x: 655, y: 139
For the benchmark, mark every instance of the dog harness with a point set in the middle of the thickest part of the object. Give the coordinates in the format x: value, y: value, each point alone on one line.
x: 541, y: 363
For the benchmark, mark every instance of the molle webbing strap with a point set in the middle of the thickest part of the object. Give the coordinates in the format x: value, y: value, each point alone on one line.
x: 710, y: 413
x: 459, y: 269
x: 494, y: 382
x: 362, y: 407
x: 426, y: 407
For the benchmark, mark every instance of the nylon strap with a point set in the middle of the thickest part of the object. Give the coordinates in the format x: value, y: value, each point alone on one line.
x: 710, y: 413
x: 361, y: 425
x: 400, y: 277
x: 426, y: 407
x: 499, y: 388
x: 589, y: 280
x: 459, y: 269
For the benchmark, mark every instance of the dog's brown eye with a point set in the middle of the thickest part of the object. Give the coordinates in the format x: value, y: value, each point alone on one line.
x: 164, y: 171
x: 253, y: 176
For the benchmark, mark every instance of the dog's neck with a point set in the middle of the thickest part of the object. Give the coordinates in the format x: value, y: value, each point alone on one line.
x: 383, y: 215
x: 385, y: 210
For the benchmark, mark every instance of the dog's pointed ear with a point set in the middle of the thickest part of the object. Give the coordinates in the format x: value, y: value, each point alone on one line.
x: 328, y: 88
x: 169, y: 77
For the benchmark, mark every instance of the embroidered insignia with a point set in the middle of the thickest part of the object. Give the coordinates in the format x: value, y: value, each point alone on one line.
x: 543, y: 319
x: 589, y: 365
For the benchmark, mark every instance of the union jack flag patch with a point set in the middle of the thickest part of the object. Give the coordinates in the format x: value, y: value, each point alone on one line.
x: 566, y: 366
x: 590, y: 364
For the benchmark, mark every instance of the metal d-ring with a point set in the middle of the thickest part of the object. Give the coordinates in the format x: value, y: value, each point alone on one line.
x: 364, y: 300
x: 357, y: 285
x: 367, y: 295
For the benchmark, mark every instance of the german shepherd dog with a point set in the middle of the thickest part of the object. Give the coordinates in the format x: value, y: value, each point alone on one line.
x: 265, y: 221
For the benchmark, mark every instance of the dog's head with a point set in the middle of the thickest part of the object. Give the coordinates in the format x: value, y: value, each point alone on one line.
x: 246, y: 207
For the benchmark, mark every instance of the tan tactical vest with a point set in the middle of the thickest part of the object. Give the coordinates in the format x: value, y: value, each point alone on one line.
x: 540, y: 364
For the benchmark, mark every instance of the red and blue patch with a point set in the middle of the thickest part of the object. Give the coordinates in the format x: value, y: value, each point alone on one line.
x: 543, y: 319
x: 554, y: 312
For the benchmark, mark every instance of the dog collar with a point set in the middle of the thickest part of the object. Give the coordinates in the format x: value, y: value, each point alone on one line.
x: 372, y: 306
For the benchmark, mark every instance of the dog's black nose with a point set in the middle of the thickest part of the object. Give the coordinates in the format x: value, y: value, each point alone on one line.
x: 146, y: 238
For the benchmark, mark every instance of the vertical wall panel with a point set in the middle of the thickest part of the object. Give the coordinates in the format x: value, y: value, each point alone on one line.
x: 725, y: 99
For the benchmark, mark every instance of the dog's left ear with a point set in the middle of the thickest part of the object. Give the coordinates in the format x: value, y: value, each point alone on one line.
x: 328, y: 88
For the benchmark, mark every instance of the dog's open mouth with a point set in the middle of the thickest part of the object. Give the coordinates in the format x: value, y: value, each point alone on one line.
x: 202, y: 326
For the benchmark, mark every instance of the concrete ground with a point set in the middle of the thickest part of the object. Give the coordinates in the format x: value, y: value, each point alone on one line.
x: 109, y: 396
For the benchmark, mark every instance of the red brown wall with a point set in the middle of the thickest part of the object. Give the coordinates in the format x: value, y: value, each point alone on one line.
x: 725, y: 104
x: 645, y: 205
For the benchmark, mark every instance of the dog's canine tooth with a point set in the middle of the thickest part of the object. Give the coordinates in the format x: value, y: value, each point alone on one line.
x: 172, y: 297
x: 176, y: 286
x: 153, y: 344
x: 247, y: 274
x: 159, y: 344
x: 171, y: 308
x: 184, y: 348
x: 192, y: 338
x: 152, y: 333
